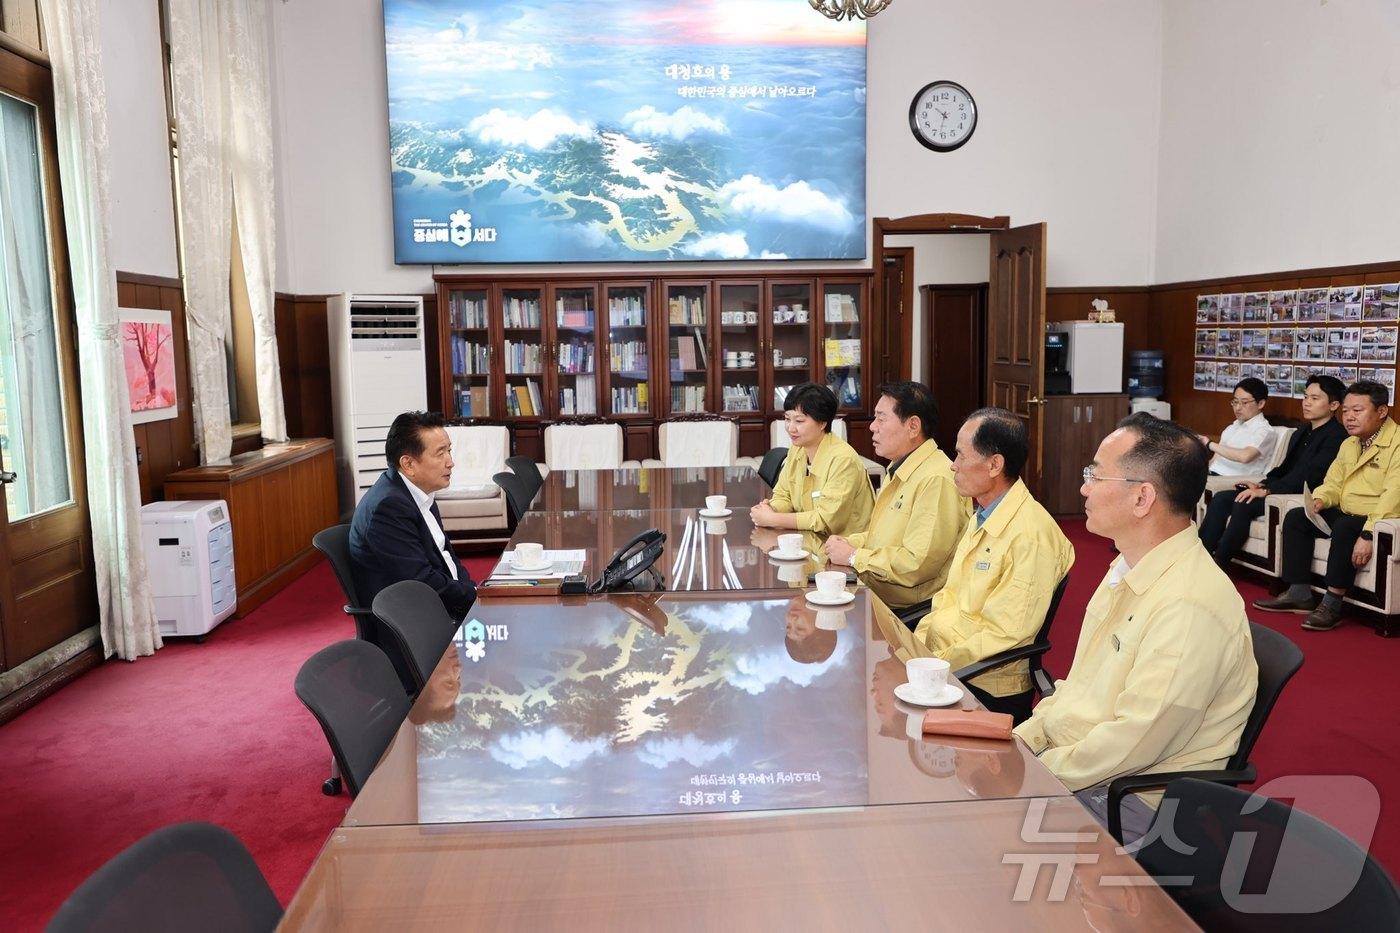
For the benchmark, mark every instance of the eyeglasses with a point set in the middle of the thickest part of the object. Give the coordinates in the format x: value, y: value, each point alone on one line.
x: 1090, y: 477
x: 1241, y: 402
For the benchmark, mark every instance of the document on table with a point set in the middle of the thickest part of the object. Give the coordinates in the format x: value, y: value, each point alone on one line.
x: 1312, y: 513
x: 562, y: 564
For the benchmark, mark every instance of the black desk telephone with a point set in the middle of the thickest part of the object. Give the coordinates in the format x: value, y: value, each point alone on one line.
x: 632, y: 559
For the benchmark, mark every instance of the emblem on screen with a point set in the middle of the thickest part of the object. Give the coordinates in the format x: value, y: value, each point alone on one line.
x: 474, y: 640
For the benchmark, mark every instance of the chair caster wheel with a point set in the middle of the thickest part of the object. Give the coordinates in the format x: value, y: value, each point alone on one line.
x: 331, y: 787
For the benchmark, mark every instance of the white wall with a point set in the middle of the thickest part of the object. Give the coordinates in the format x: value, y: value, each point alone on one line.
x: 1280, y: 136
x: 1049, y: 78
x: 143, y: 214
x: 961, y: 259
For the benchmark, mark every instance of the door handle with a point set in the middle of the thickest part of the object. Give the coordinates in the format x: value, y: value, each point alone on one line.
x: 1034, y: 400
x: 1089, y: 409
x: 1076, y: 414
x: 7, y: 477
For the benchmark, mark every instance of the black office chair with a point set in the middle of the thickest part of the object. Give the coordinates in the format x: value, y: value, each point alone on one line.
x: 352, y: 690
x: 771, y: 465
x: 190, y: 876
x: 518, y: 497
x: 413, y: 614
x: 529, y: 472
x: 1278, y: 660
x: 1234, y: 841
x: 334, y: 543
x: 1041, y: 680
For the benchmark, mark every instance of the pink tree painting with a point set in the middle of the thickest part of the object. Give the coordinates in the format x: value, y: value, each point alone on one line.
x: 150, y: 365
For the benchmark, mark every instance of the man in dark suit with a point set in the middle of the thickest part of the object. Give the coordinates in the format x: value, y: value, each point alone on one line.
x: 1313, y: 448
x: 397, y: 532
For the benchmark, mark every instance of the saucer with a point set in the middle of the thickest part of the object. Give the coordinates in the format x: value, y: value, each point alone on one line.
x: 722, y: 513
x: 951, y: 694
x: 531, y: 568
x: 776, y: 554
x: 821, y: 599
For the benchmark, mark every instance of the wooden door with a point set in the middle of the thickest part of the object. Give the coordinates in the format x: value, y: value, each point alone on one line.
x: 955, y: 334
x: 895, y: 362
x: 1065, y: 421
x: 49, y: 591
x: 1016, y: 332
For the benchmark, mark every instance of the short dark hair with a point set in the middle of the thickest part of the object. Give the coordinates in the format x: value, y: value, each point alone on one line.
x: 1169, y: 457
x: 1335, y: 388
x: 1378, y: 393
x: 1254, y: 386
x: 914, y: 399
x: 1001, y: 432
x: 814, y: 401
x: 406, y: 435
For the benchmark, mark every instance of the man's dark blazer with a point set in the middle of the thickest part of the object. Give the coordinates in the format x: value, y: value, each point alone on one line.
x: 1310, y: 452
x: 390, y: 542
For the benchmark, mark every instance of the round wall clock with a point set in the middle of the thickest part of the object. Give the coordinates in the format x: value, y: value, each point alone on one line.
x: 943, y: 116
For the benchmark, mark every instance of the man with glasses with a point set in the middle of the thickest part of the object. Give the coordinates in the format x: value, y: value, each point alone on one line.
x: 1003, y: 574
x: 1362, y: 486
x: 1311, y: 451
x: 1246, y: 446
x: 1164, y: 676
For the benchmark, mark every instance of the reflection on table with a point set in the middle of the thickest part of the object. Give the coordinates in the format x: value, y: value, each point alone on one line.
x: 910, y: 866
x: 661, y: 488
x: 700, y: 554
x: 673, y: 703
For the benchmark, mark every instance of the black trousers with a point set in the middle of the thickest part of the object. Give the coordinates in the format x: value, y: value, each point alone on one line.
x: 1299, y: 535
x: 1017, y: 704
x: 1225, y: 527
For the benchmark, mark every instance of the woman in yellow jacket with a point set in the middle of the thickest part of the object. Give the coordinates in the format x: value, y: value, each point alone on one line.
x: 823, y: 486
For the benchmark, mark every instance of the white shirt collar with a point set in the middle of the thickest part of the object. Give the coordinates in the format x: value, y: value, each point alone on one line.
x: 424, y: 499
x: 1257, y: 419
x: 1118, y: 570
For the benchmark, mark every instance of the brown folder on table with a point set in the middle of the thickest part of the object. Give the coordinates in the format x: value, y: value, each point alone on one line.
x: 972, y: 722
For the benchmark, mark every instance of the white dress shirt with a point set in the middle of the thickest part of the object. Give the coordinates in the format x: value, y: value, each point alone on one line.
x: 1257, y: 433
x: 425, y: 505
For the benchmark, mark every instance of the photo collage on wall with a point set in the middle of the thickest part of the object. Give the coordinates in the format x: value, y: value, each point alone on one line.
x: 1283, y: 337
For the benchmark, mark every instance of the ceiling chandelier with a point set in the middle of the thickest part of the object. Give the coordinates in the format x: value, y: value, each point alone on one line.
x: 849, y: 9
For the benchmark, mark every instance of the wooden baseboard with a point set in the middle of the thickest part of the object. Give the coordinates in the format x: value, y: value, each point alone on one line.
x: 50, y: 682
x: 272, y: 584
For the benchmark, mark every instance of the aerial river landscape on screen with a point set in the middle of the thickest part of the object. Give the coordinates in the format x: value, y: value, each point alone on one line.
x: 624, y: 131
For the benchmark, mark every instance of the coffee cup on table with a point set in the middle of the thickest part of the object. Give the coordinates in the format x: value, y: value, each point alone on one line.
x: 529, y: 554
x: 928, y: 676
x: 831, y: 582
x: 715, y: 503
x: 789, y: 545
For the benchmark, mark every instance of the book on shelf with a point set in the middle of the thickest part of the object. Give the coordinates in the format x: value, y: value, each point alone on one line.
x: 628, y: 357
x: 524, y: 405
x: 686, y: 399
x: 481, y: 401
x: 626, y: 311
x: 840, y: 308
x: 630, y: 400
x: 686, y: 310
x: 740, y: 398
x: 521, y: 312
x: 842, y: 352
x: 700, y: 348
x: 534, y: 389
x: 467, y: 312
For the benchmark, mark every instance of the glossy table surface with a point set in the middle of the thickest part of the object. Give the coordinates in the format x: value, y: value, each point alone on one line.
x: 660, y: 488
x: 1028, y: 864
x: 678, y: 703
x: 700, y: 553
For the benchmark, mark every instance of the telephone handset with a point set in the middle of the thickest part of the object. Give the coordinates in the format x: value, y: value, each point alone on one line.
x: 633, y: 558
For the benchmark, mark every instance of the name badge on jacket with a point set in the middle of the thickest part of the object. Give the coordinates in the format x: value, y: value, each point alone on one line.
x: 984, y: 565
x: 816, y: 493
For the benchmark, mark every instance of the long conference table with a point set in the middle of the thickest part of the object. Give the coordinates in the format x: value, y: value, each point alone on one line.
x: 720, y: 754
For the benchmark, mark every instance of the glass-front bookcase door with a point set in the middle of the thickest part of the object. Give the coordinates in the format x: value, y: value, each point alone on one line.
x: 790, y: 315
x: 844, y: 340
x: 469, y: 351
x: 740, y: 343
x: 576, y: 349
x: 523, y: 351
x: 629, y: 349
x: 688, y: 346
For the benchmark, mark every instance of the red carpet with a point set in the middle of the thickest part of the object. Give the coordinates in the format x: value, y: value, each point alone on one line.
x: 214, y: 732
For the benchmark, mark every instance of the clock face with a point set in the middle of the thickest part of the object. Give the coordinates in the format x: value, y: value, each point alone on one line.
x: 943, y: 116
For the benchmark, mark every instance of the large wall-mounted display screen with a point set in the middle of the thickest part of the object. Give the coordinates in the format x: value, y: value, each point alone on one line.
x: 624, y: 131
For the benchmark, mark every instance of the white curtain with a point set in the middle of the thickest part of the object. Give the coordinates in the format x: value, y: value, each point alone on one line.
x: 223, y: 110
x: 250, y: 163
x: 129, y: 627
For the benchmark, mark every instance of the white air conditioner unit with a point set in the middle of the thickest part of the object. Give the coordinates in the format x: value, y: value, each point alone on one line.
x: 378, y: 371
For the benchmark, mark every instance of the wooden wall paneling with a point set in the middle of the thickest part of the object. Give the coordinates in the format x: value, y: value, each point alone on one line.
x: 284, y: 312
x: 314, y: 368
x: 433, y: 346
x: 753, y: 438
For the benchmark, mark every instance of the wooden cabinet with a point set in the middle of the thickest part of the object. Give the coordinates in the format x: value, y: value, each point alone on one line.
x: 528, y: 351
x: 1074, y: 426
x: 278, y: 497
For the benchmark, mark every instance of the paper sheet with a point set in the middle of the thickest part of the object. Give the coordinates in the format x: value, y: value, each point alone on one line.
x: 1312, y: 513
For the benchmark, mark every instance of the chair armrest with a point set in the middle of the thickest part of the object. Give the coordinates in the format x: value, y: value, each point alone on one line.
x: 631, y: 465
x: 1121, y: 787
x: 650, y: 464
x: 1284, y: 502
x: 365, y: 623
x: 1388, y: 526
x: 1001, y: 658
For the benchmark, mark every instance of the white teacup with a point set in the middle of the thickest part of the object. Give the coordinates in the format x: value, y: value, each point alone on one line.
x: 831, y: 582
x: 928, y: 676
x: 789, y: 545
x: 529, y: 554
x: 716, y: 503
